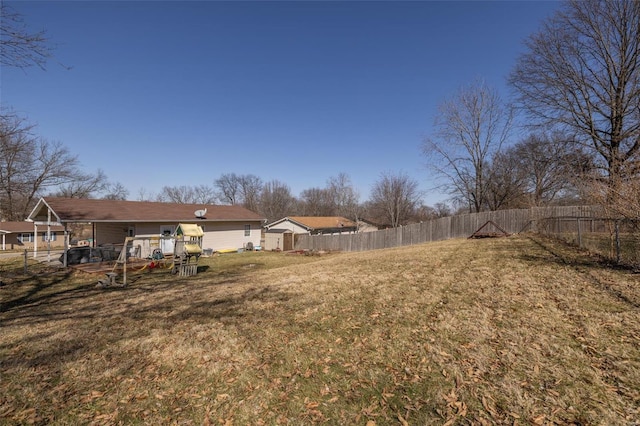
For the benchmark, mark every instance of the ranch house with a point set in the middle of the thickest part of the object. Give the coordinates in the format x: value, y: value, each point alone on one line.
x: 23, y: 236
x: 111, y: 221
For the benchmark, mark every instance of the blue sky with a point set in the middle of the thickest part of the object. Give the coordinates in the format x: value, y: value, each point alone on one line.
x: 159, y: 93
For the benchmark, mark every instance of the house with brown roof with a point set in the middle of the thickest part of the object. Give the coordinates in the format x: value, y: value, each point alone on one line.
x: 23, y: 235
x: 111, y: 221
x: 279, y: 233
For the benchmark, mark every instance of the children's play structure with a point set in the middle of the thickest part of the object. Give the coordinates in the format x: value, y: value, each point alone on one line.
x: 150, y: 252
x: 187, y: 249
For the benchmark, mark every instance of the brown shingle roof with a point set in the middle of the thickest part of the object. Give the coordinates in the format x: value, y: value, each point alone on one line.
x: 323, y: 222
x: 13, y: 227
x: 91, y: 210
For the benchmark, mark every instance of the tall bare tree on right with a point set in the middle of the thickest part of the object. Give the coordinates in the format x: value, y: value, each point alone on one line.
x: 471, y: 127
x: 581, y: 74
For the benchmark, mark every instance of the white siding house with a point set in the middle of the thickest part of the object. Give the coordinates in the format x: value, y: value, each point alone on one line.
x: 225, y: 227
x: 325, y: 225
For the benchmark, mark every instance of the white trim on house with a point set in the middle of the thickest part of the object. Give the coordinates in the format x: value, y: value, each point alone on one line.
x: 225, y: 227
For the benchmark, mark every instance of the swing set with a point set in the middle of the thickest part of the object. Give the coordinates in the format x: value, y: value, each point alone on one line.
x: 187, y: 249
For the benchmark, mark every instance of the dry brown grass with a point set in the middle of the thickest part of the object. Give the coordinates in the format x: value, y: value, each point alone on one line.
x: 516, y: 330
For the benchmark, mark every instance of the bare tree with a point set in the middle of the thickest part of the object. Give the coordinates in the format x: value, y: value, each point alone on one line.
x: 581, y: 73
x: 185, y: 194
x: 442, y: 209
x: 85, y: 186
x: 276, y: 200
x: 424, y: 212
x: 19, y: 47
x: 338, y: 198
x: 251, y: 188
x: 471, y: 128
x: 550, y: 164
x: 16, y: 145
x: 145, y: 195
x: 540, y: 170
x: 88, y: 185
x: 316, y: 202
x: 627, y: 198
x: 30, y: 167
x: 344, y: 197
x: 239, y: 189
x: 506, y: 182
x: 394, y: 197
x: 116, y: 191
x: 228, y: 188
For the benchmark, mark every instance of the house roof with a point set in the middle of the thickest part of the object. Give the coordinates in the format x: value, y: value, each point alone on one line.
x: 12, y: 227
x: 278, y: 231
x: 318, y: 222
x: 91, y: 210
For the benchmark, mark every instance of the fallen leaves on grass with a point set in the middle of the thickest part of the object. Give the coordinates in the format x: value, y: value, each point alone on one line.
x: 414, y: 335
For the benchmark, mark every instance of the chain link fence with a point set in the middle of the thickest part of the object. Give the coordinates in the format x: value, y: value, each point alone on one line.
x: 617, y: 240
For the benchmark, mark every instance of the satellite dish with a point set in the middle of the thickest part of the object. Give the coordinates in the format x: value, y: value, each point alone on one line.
x: 200, y: 213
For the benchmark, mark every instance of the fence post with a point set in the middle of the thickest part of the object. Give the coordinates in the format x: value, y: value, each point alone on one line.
x: 617, y: 241
x: 25, y: 261
x: 579, y: 233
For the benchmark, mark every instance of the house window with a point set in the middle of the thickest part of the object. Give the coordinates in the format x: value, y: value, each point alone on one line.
x: 131, y: 231
x: 247, y: 230
x: 53, y: 236
x: 25, y: 238
x: 167, y: 230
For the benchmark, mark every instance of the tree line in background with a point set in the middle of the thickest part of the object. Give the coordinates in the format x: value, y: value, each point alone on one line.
x: 578, y: 85
x: 31, y: 167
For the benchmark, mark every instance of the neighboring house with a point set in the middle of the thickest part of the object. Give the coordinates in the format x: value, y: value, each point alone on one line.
x: 278, y: 239
x: 225, y: 227
x: 312, y: 225
x: 22, y: 235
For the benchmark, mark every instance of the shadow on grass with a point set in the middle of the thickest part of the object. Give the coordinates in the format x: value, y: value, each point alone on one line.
x: 583, y: 264
x: 79, y: 323
x: 38, y: 293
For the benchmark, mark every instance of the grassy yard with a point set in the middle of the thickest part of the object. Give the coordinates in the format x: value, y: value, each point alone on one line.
x: 518, y: 330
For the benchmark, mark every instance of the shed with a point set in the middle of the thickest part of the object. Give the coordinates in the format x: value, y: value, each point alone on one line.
x: 278, y: 239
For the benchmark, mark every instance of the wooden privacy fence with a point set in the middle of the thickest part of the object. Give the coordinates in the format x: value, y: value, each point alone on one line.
x: 461, y: 226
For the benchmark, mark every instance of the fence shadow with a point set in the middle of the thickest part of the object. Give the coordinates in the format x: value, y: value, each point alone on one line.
x: 587, y: 265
